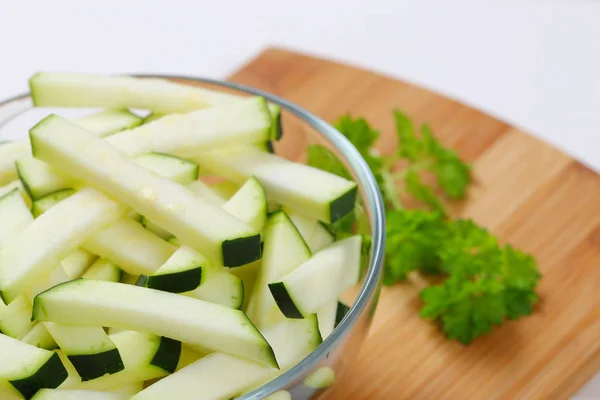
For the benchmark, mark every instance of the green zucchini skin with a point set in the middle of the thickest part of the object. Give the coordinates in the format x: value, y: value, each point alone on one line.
x: 241, y: 251
x: 342, y: 310
x: 168, y: 354
x: 284, y: 301
x: 92, y: 366
x: 343, y: 205
x: 49, y: 376
x: 180, y: 282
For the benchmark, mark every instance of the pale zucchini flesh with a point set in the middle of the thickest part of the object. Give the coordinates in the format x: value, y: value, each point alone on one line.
x: 101, y: 124
x: 43, y: 204
x: 315, y: 234
x: 103, y: 270
x: 39, y: 336
x: 134, y: 249
x: 15, y: 318
x: 171, y: 167
x: 14, y: 216
x: 320, y: 279
x: 209, y: 229
x: 284, y: 250
x: 327, y: 318
x: 119, y: 92
x: 243, y: 122
x: 186, y: 319
x: 146, y: 356
x: 249, y: 204
x: 39, y: 179
x: 55, y: 89
x: 206, y: 193
x: 219, y: 286
x: 181, y: 273
x: 210, y: 377
x: 9, y: 187
x: 313, y: 192
x: 90, y: 350
x: 51, y: 237
x: 28, y: 368
x: 9, y: 153
x: 66, y: 394
x: 77, y: 262
x: 109, y: 122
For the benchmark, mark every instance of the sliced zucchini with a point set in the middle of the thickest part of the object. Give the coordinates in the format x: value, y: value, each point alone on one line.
x: 129, y: 279
x: 145, y: 356
x: 218, y: 285
x: 66, y: 394
x: 16, y: 184
x: 247, y: 274
x: 102, y: 124
x: 321, y: 378
x: 327, y: 318
x: 206, y: 228
x: 39, y: 179
x: 225, y: 189
x: 55, y: 89
x: 89, y: 348
x: 9, y: 153
x: 315, y: 234
x: 283, y: 251
x: 188, y: 356
x: 192, y: 321
x: 342, y: 310
x: 292, y: 340
x: 320, y: 279
x: 109, y: 122
x: 8, y: 392
x: 243, y: 122
x: 134, y: 249
x: 56, y: 276
x: 77, y: 262
x: 14, y: 216
x: 51, y: 237
x: 204, y: 192
x: 210, y: 377
x: 277, y: 125
x: 28, y: 368
x: 174, y: 241
x: 103, y: 270
x: 129, y: 389
x: 157, y: 230
x: 43, y: 204
x: 152, y: 117
x: 39, y: 336
x: 181, y: 273
x: 315, y: 193
x: 174, y: 168
x: 249, y: 204
x: 15, y: 318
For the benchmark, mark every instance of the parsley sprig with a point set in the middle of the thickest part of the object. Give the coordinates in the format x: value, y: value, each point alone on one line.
x: 484, y: 282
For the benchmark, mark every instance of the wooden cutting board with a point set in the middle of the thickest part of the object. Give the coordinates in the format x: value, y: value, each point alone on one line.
x: 527, y: 192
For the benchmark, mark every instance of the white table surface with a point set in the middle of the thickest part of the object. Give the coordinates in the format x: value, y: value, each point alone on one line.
x: 535, y: 64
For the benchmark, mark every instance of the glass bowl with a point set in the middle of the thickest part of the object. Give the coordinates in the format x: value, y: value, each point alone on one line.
x: 301, y: 128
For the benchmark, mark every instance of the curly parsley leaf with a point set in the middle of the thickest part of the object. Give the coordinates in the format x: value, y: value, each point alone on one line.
x: 485, y: 283
x: 412, y: 239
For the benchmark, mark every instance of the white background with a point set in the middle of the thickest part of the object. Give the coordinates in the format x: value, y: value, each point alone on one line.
x: 535, y: 64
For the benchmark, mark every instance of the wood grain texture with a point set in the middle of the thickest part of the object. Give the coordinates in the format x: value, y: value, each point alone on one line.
x: 527, y: 192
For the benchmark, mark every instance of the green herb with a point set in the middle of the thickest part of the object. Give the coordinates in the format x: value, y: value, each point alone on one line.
x: 484, y: 283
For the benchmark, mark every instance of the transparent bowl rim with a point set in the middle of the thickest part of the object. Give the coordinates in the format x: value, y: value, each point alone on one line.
x: 367, y: 184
